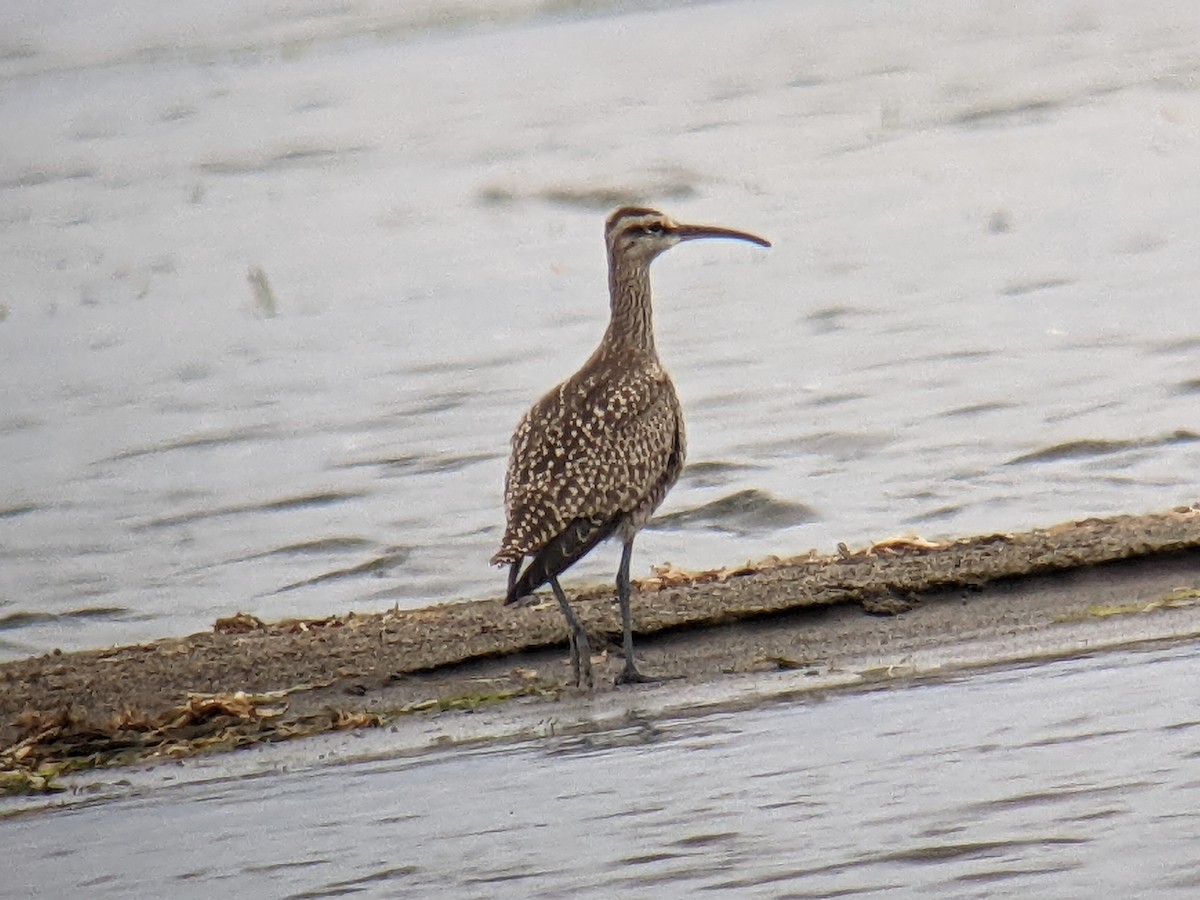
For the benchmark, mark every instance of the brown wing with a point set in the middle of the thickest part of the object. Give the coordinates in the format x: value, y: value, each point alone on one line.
x: 595, y: 448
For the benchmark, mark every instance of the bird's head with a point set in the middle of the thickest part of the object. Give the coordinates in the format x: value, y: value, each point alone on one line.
x: 638, y: 234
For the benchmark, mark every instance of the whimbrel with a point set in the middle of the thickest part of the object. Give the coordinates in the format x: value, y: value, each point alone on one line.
x: 598, y: 453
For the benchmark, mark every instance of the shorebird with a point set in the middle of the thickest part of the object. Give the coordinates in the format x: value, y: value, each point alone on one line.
x: 597, y: 454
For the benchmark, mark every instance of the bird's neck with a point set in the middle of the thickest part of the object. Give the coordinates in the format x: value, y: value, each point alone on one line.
x: 632, y: 323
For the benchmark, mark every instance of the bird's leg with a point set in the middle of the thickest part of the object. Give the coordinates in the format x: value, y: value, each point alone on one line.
x: 581, y: 649
x: 629, y: 674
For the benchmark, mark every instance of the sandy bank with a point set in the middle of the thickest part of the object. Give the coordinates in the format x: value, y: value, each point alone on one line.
x: 1074, y: 585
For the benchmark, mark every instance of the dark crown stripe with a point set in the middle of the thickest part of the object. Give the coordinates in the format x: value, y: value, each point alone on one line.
x: 621, y: 217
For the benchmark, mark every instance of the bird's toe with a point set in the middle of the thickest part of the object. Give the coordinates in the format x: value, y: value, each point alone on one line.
x: 630, y: 675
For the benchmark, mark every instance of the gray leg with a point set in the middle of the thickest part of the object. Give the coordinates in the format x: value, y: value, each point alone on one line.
x: 629, y: 674
x: 581, y: 648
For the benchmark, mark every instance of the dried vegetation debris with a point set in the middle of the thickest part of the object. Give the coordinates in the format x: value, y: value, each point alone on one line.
x: 63, y: 741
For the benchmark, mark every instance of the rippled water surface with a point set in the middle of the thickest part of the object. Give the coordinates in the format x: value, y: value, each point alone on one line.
x: 1073, y: 779
x: 979, y: 312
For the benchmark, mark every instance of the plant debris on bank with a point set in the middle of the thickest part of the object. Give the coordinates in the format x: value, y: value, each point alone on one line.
x: 249, y: 681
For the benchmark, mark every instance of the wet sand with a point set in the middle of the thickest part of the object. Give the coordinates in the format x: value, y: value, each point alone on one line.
x: 1068, y: 588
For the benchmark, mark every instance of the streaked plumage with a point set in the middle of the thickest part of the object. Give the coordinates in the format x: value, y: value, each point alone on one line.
x: 597, y: 454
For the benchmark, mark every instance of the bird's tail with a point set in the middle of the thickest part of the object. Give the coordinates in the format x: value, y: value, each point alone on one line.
x: 571, y: 545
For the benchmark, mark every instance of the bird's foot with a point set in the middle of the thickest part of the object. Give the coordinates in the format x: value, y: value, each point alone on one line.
x: 584, y: 678
x: 630, y: 675
x: 581, y: 660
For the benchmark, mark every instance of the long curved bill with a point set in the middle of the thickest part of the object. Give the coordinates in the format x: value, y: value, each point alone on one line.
x: 696, y: 232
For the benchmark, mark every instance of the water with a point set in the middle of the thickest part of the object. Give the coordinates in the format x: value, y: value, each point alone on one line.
x: 982, y: 220
x: 1069, y: 779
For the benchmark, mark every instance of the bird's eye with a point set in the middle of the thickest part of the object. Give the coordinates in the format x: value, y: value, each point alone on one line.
x: 655, y: 229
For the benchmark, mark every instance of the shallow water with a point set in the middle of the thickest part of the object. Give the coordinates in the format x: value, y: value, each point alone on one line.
x: 1061, y: 780
x: 979, y: 313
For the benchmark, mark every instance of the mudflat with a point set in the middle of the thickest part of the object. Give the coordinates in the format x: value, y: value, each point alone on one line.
x: 249, y: 681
